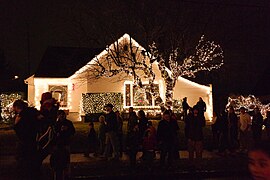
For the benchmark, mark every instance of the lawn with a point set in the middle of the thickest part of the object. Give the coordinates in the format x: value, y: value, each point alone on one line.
x: 8, y: 139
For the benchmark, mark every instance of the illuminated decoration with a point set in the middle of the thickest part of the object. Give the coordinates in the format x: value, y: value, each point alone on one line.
x: 140, y: 96
x: 95, y: 102
x: 61, y: 86
x: 207, y: 57
x: 125, y: 57
x: 249, y: 102
x: 6, y: 105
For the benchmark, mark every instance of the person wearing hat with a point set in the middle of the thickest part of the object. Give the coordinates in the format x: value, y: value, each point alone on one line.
x: 245, y: 122
x: 111, y: 133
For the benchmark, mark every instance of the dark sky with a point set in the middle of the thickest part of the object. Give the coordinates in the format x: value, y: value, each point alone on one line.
x: 241, y: 27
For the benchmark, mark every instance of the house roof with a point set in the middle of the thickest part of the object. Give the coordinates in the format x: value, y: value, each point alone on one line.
x: 64, y: 61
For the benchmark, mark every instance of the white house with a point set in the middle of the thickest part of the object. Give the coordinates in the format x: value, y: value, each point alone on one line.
x: 60, y: 72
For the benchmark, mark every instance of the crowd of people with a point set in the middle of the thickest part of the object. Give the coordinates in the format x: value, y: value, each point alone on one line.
x: 233, y: 134
x: 40, y: 134
x: 48, y: 132
x: 142, y: 136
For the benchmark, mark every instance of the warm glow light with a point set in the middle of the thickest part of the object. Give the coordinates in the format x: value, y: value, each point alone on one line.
x: 42, y: 85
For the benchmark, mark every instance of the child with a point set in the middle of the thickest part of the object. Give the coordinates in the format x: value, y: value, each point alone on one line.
x: 92, y: 141
x: 133, y: 141
x: 101, y: 134
x: 259, y: 160
x: 149, y: 145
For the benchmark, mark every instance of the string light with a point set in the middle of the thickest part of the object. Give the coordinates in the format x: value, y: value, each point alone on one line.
x: 249, y: 102
x: 6, y: 105
x: 207, y: 57
x: 95, y: 102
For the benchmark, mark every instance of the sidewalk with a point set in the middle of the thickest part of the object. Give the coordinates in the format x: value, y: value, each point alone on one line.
x: 212, y: 166
x: 79, y: 158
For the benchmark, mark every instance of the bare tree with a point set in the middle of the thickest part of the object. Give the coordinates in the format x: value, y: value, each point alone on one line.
x: 206, y: 57
x: 123, y: 57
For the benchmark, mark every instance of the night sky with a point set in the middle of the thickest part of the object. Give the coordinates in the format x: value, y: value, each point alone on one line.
x: 241, y: 27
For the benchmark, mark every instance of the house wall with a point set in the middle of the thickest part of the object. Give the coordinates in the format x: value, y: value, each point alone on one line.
x: 75, y: 90
x: 183, y: 88
x: 30, y: 90
x: 191, y: 90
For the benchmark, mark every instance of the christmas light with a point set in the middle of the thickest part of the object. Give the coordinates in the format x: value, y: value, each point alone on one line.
x: 95, y: 102
x: 207, y: 57
x: 250, y: 102
x: 6, y: 105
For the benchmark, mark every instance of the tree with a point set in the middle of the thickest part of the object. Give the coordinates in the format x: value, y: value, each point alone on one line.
x: 207, y: 56
x: 123, y: 57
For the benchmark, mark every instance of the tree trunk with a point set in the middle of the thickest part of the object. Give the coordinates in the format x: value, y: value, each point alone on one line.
x: 170, y: 83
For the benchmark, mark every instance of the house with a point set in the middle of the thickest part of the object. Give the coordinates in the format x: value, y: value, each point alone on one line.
x: 61, y: 72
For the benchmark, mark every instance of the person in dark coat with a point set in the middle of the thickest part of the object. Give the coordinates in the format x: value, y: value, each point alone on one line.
x: 120, y: 132
x: 26, y: 130
x: 64, y: 129
x: 143, y: 123
x: 92, y: 141
x: 256, y: 127
x: 60, y: 158
x: 111, y: 133
x: 185, y: 107
x: 133, y: 143
x: 223, y: 142
x: 166, y: 135
x: 132, y: 120
x: 233, y: 130
x: 195, y: 134
x: 187, y: 122
x: 201, y: 107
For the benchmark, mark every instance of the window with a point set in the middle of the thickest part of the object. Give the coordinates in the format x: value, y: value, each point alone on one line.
x: 140, y: 97
x: 60, y: 93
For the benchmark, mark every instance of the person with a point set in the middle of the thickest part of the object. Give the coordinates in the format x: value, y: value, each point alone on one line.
x: 132, y: 120
x: 111, y: 133
x: 201, y: 106
x: 149, y: 145
x: 233, y: 129
x: 101, y: 134
x: 187, y: 122
x: 46, y: 133
x: 266, y: 123
x: 133, y: 142
x: 92, y: 141
x: 215, y: 129
x: 256, y: 126
x: 166, y: 136
x: 60, y: 157
x: 26, y: 129
x: 245, y: 121
x: 223, y: 127
x: 143, y: 123
x: 64, y: 129
x: 259, y: 160
x: 185, y: 107
x: 195, y: 136
x: 120, y: 132
x: 176, y: 145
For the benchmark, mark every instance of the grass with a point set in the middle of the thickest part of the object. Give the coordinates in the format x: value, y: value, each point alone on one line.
x: 8, y: 139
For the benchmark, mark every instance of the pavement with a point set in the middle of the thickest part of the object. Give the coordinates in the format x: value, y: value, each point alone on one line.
x: 211, y: 166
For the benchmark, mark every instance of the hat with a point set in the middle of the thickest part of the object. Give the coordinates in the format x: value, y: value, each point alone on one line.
x: 109, y: 105
x: 242, y: 108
